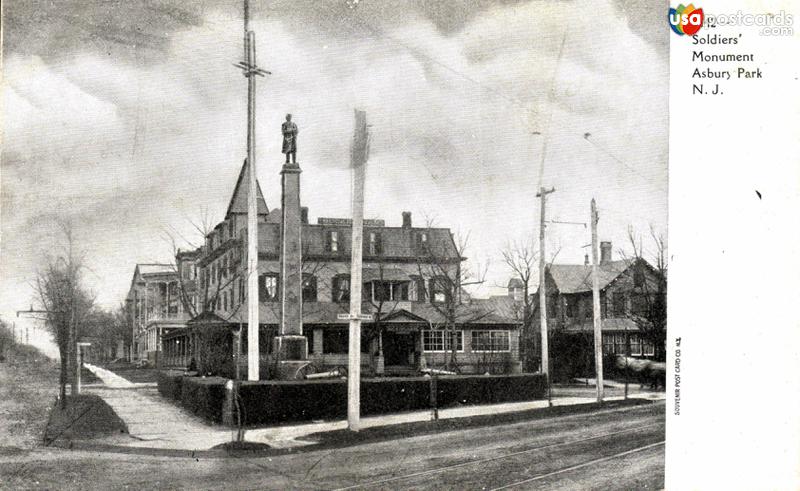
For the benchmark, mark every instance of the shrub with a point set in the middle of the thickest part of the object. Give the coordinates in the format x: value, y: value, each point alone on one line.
x: 270, y: 402
x: 169, y: 385
x: 204, y: 396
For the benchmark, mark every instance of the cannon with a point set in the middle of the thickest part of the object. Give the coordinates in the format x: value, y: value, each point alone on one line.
x: 335, y: 373
x: 652, y: 373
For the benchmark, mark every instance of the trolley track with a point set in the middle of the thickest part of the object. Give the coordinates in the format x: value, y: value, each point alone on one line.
x: 560, y: 445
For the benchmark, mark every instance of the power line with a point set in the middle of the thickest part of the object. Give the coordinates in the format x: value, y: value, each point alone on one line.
x: 620, y: 161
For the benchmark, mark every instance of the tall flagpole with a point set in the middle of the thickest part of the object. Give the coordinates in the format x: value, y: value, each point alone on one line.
x: 250, y: 70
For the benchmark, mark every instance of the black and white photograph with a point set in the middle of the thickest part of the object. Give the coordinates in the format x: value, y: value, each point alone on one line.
x: 342, y: 244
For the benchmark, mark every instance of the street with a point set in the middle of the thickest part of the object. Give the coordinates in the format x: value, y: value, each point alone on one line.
x: 614, y: 449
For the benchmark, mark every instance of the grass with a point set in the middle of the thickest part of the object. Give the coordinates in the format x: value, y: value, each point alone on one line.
x: 133, y: 374
x: 84, y: 416
x: 28, y: 387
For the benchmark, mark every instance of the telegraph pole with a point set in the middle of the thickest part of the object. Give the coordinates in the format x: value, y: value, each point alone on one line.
x: 360, y: 153
x: 542, y: 195
x: 250, y: 70
x: 598, y: 322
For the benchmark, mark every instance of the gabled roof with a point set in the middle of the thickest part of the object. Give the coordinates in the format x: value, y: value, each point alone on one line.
x: 238, y: 203
x: 577, y: 278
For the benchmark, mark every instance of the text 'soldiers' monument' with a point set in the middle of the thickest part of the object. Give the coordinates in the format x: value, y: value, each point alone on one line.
x: 291, y: 347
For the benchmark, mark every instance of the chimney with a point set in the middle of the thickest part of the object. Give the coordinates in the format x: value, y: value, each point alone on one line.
x: 585, y: 259
x: 605, y: 252
x: 304, y: 215
x: 406, y: 219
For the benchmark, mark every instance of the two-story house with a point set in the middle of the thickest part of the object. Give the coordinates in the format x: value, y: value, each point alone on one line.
x: 409, y: 280
x: 627, y: 289
x: 156, y: 305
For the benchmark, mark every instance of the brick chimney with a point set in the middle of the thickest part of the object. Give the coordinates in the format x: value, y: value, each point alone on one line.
x: 406, y: 219
x: 304, y: 215
x: 605, y: 252
x: 291, y: 347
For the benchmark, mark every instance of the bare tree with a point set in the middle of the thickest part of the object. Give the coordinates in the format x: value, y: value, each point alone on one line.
x: 521, y: 257
x: 65, y: 302
x: 441, y: 260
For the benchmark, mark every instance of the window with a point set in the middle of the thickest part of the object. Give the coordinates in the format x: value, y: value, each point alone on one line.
x: 332, y: 241
x: 639, y: 304
x: 422, y: 242
x: 416, y: 289
x: 608, y: 344
x: 225, y: 301
x: 618, y: 301
x: 374, y: 245
x: 309, y: 288
x: 225, y: 267
x: 268, y: 287
x: 636, y: 345
x: 242, y: 291
x: 337, y: 341
x: 490, y: 341
x: 440, y: 340
x: 385, y: 291
x: 649, y: 349
x: 572, y: 307
x: 377, y: 291
x: 438, y: 288
x: 341, y: 288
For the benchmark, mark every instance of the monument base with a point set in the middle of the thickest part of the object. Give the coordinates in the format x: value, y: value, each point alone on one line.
x: 292, y: 354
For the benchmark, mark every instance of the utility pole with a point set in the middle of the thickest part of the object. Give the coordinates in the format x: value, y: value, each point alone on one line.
x: 598, y: 322
x: 250, y: 70
x: 542, y: 195
x: 360, y: 153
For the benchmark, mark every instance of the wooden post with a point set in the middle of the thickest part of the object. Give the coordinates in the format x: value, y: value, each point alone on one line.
x: 542, y: 195
x: 77, y: 387
x: 598, y: 322
x: 359, y: 158
x: 253, y: 368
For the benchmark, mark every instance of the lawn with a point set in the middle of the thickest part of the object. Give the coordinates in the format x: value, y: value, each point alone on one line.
x: 133, y: 374
x: 28, y: 389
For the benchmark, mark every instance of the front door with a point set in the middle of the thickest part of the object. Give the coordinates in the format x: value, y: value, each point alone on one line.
x: 398, y: 348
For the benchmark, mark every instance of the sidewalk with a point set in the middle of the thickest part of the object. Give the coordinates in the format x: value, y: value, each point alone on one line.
x: 157, y: 423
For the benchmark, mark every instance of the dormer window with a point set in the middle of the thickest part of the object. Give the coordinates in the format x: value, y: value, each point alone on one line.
x: 332, y: 241
x: 375, y: 246
x: 422, y: 242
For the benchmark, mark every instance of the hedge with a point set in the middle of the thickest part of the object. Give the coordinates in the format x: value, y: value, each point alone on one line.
x: 270, y: 402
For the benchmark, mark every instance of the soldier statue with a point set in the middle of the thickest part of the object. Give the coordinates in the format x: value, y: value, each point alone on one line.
x: 289, y: 131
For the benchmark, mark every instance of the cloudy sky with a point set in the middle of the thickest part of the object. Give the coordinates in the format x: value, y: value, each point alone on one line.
x: 128, y: 119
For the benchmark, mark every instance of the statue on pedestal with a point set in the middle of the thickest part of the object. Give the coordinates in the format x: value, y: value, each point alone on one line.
x: 289, y: 131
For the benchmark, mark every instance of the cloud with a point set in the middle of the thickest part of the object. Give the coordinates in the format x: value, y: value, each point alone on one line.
x: 146, y: 138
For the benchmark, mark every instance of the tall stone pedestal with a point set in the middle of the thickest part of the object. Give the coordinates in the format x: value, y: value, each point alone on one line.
x: 291, y: 347
x: 292, y: 354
